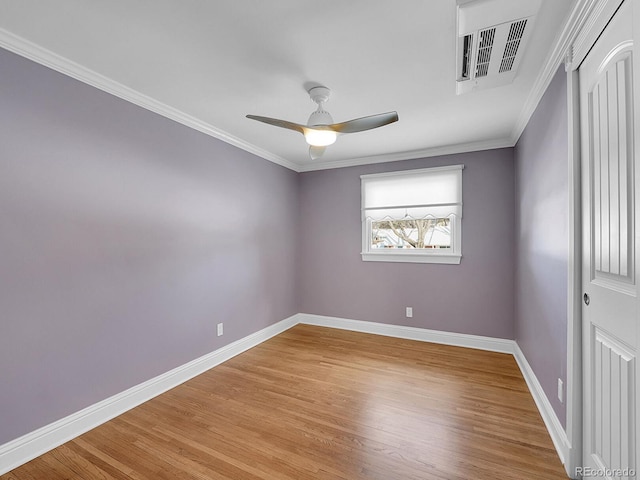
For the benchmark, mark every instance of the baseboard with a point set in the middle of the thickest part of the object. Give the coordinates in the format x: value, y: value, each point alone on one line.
x: 551, y: 421
x: 411, y: 333
x: 25, y: 448
x: 34, y: 444
x: 554, y: 427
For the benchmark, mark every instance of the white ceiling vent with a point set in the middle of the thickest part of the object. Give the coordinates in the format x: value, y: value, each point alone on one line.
x: 492, y: 36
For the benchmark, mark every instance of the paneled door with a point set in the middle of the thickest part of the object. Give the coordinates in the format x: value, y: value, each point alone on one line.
x: 610, y: 303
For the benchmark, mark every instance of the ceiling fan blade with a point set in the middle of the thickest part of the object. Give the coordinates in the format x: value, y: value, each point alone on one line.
x: 316, y: 152
x: 365, y: 123
x: 279, y: 123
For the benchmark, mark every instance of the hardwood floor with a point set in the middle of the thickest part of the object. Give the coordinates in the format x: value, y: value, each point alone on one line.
x: 317, y: 403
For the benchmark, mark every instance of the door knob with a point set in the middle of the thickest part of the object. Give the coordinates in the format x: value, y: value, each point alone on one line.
x: 586, y: 299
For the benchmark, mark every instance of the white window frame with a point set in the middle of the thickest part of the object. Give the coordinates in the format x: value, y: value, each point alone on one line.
x: 452, y: 257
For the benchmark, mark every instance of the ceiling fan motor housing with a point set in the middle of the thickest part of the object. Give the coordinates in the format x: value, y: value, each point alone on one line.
x: 320, y: 117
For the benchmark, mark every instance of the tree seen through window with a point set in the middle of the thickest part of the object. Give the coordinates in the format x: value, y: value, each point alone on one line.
x: 412, y: 233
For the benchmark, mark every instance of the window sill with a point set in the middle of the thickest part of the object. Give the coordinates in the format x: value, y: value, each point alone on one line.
x: 450, y: 259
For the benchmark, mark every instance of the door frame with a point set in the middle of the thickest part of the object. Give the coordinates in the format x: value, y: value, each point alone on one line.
x: 594, y: 15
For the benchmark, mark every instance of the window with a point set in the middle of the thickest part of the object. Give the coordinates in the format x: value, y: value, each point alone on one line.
x: 413, y: 216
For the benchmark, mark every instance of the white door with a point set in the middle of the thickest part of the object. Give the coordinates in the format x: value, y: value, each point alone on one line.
x: 609, y: 311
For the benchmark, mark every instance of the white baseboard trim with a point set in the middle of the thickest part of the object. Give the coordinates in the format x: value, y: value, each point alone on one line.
x: 21, y: 450
x: 411, y: 333
x: 29, y: 446
x: 555, y: 428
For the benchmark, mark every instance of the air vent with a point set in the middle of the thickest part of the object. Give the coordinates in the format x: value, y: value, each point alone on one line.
x: 484, y: 52
x: 492, y: 39
x: 466, y: 56
x: 516, y: 31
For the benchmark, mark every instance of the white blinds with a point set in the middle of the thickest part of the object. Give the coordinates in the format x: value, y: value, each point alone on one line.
x: 413, y: 194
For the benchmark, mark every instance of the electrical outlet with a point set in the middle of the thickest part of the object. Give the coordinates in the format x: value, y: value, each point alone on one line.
x: 409, y: 312
x: 560, y: 391
x: 220, y: 329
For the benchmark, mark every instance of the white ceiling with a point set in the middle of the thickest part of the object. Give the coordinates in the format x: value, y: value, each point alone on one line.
x: 209, y: 63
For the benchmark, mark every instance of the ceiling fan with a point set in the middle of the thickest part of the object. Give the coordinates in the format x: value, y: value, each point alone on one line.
x: 320, y: 130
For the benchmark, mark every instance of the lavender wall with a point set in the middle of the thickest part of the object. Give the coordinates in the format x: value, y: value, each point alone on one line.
x: 475, y: 297
x: 542, y: 240
x: 124, y: 239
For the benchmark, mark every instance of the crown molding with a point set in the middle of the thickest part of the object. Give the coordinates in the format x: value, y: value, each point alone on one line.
x: 27, y: 49
x: 47, y: 58
x: 410, y: 155
x: 579, y: 15
x: 561, y: 51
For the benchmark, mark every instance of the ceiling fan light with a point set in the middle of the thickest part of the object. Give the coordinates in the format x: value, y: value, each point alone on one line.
x: 320, y: 138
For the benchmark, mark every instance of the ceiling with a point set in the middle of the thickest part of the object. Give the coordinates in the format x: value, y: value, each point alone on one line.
x: 209, y: 63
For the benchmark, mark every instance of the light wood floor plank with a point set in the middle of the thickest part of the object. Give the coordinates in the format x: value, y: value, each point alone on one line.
x: 323, y: 404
